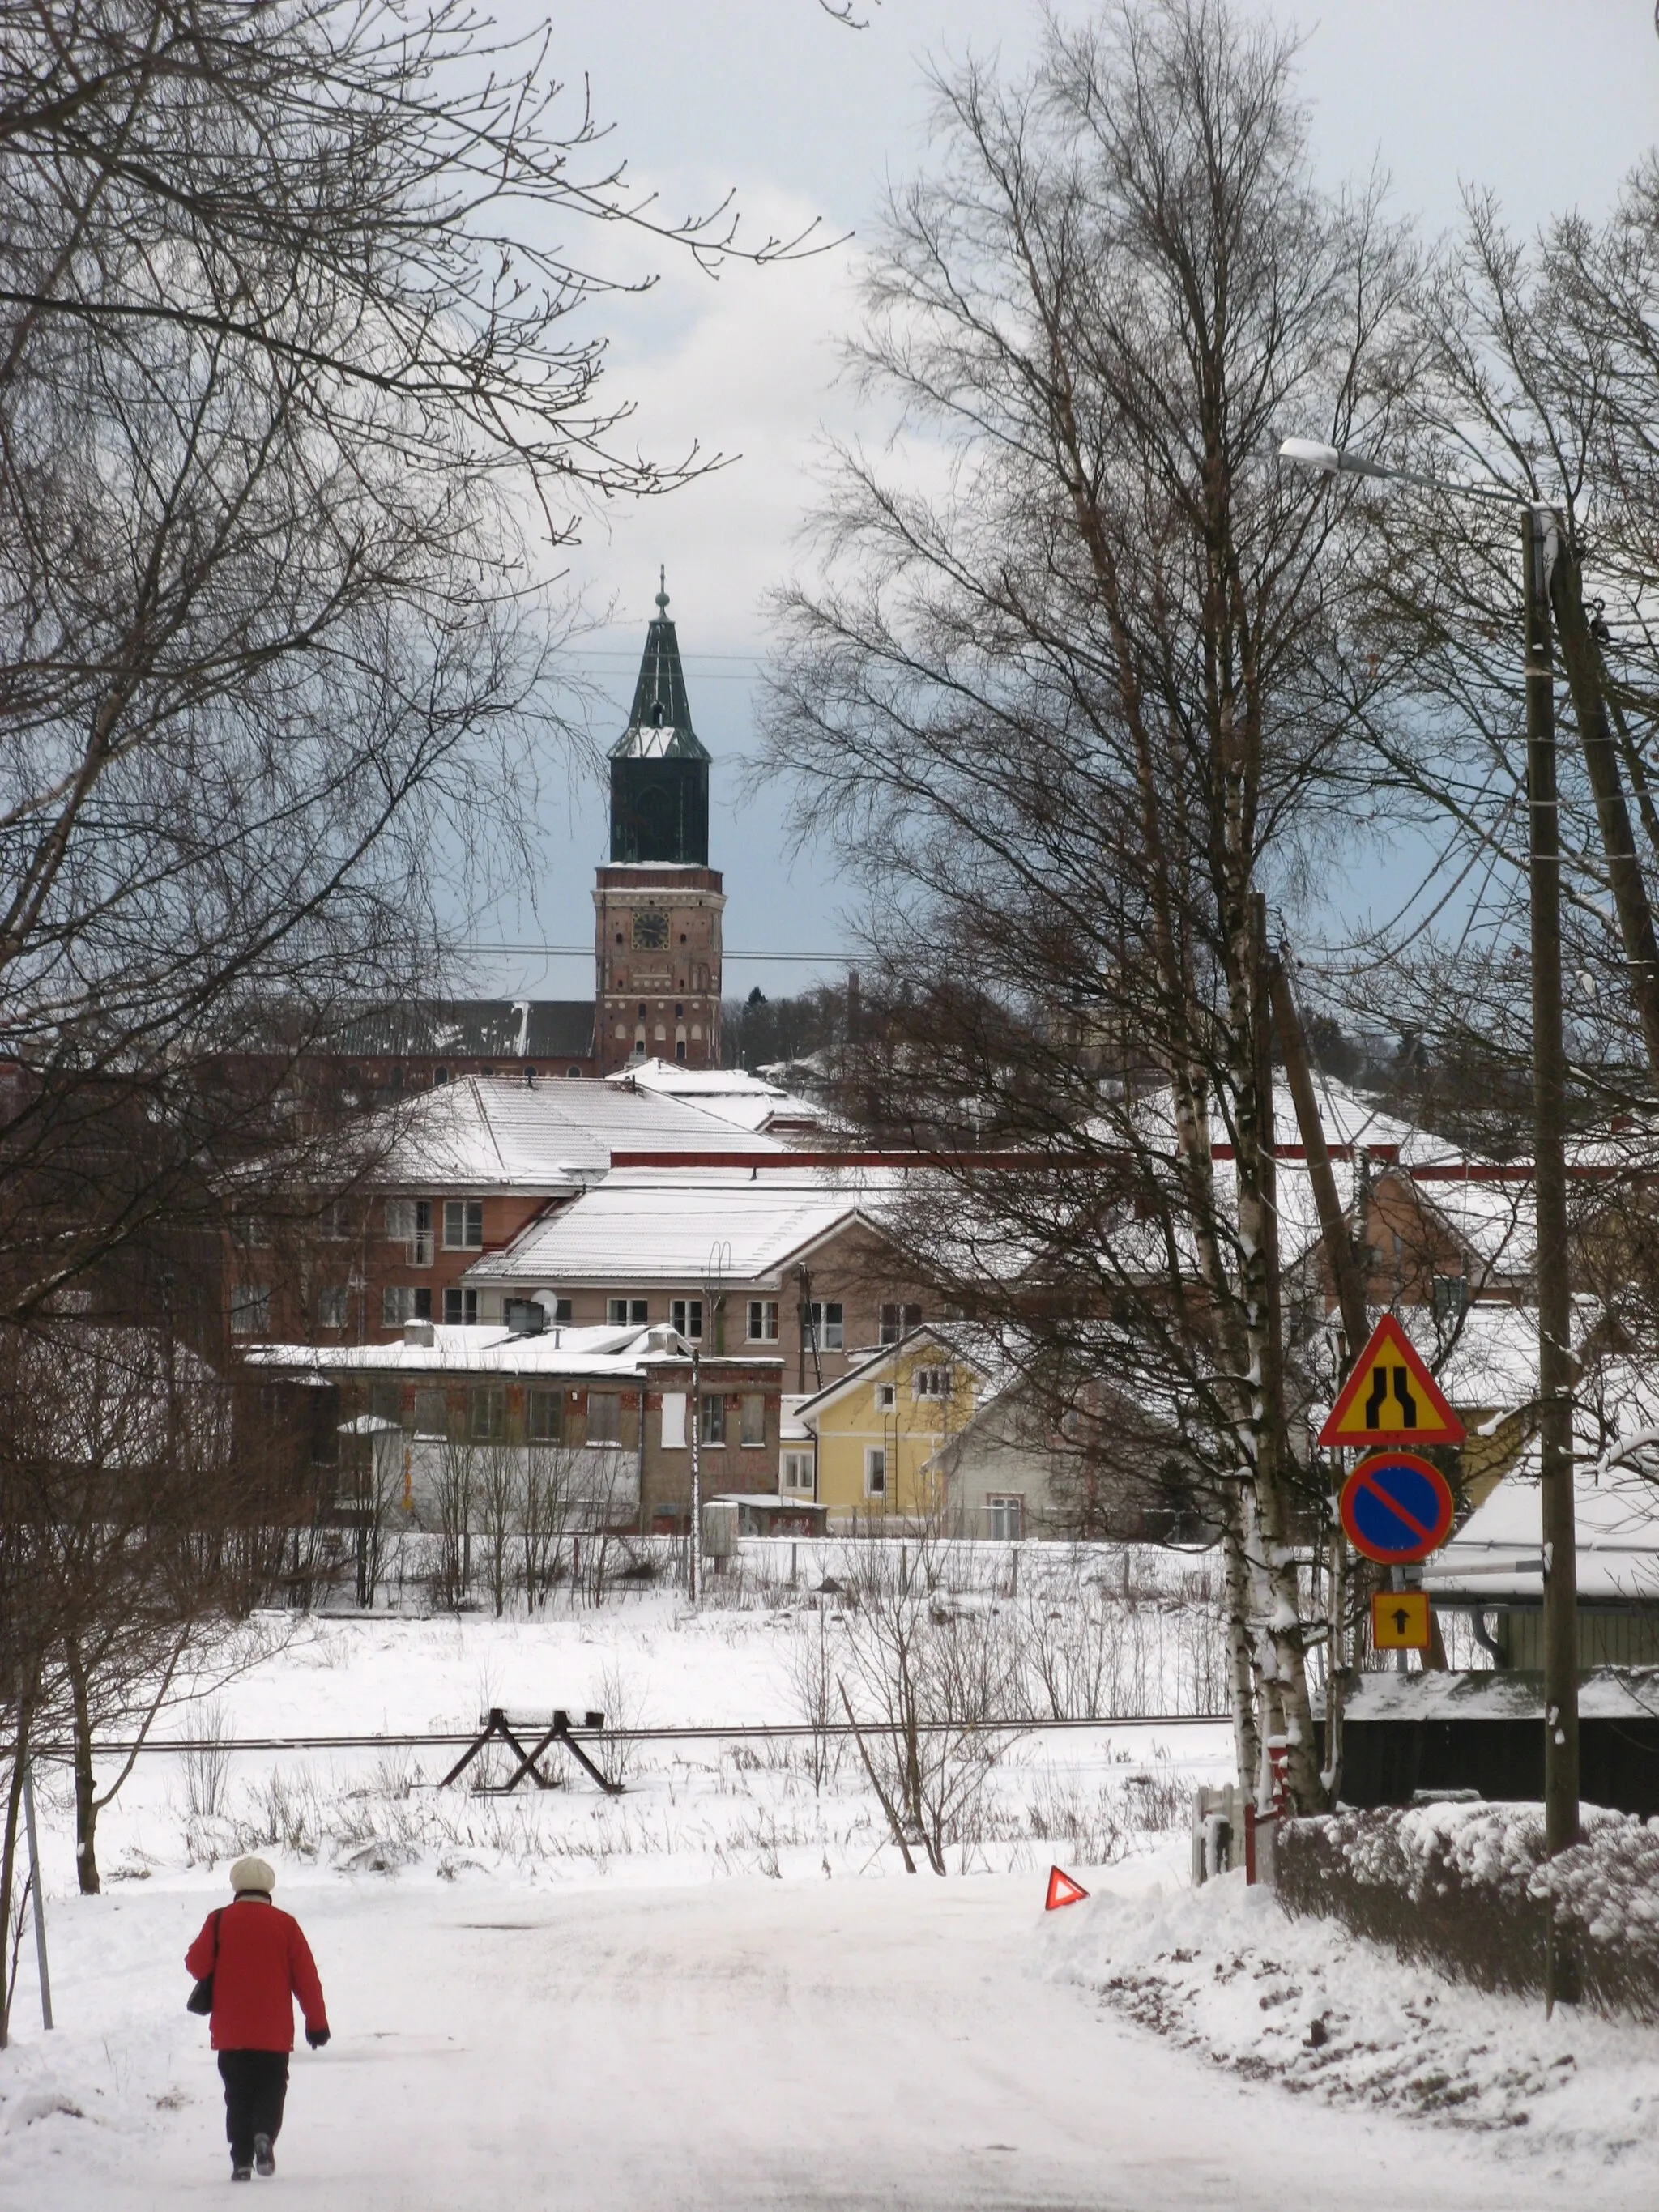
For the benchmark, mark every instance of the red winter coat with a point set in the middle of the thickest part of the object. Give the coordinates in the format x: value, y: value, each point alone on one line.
x: 263, y: 1963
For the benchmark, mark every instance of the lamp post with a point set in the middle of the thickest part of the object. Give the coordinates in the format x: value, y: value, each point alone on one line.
x: 1540, y: 526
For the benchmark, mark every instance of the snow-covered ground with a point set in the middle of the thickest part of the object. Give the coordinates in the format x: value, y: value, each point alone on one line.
x: 721, y: 1988
x: 1222, y: 1973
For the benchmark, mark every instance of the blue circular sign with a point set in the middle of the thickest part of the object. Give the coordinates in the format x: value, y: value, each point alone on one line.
x: 1396, y: 1507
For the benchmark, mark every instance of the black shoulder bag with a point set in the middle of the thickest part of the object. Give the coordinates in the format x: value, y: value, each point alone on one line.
x: 201, y: 1997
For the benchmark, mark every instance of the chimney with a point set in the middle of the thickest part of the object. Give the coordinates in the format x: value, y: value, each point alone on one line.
x: 419, y: 1331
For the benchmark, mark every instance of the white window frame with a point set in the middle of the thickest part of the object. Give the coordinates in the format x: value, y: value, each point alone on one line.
x: 875, y: 1455
x: 886, y: 1397
x: 685, y: 1319
x: 334, y: 1305
x: 250, y: 1310
x: 1004, y: 1507
x: 931, y: 1381
x: 826, y: 1325
x: 796, y: 1473
x: 462, y: 1215
x: 627, y: 1313
x: 466, y: 1302
x: 765, y: 1312
x: 673, y: 1420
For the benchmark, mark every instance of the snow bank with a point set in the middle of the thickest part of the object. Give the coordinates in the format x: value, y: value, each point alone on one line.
x: 1467, y: 1889
x: 1223, y: 1972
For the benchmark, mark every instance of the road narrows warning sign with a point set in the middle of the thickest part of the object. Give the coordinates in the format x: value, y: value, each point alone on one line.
x: 1062, y: 1890
x: 1390, y: 1397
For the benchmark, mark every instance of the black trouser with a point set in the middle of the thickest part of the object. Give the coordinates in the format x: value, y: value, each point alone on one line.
x: 255, y: 2085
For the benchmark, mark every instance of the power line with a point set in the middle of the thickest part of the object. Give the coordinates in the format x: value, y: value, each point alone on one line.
x: 587, y: 952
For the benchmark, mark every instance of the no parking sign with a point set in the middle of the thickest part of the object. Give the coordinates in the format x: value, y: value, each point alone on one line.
x: 1396, y: 1507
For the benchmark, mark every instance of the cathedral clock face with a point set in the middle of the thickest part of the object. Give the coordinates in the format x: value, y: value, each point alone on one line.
x: 650, y: 933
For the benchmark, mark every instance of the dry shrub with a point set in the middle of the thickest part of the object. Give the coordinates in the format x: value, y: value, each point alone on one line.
x: 1467, y: 1889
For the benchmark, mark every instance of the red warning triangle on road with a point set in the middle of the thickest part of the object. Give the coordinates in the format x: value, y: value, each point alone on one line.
x: 1390, y: 1397
x: 1062, y: 1890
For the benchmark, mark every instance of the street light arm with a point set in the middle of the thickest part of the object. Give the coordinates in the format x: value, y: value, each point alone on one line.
x: 1337, y: 460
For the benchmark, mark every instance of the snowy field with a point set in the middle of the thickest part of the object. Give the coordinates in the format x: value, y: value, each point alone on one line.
x: 721, y: 1988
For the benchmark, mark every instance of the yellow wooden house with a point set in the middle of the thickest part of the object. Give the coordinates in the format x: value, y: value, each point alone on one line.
x: 877, y: 1428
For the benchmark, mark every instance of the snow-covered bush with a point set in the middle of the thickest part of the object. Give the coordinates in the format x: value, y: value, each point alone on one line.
x: 1466, y: 1888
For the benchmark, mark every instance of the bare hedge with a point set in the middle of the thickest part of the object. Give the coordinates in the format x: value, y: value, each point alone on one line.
x: 1467, y: 1890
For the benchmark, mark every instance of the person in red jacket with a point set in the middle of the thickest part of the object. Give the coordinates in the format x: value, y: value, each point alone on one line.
x: 260, y: 1962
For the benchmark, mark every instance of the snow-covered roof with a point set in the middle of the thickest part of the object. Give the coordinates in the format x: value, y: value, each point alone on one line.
x: 1608, y: 1694
x: 674, y: 1225
x: 492, y: 1133
x: 1498, y: 1557
x: 976, y: 1347
x: 485, y: 1350
x: 728, y: 1094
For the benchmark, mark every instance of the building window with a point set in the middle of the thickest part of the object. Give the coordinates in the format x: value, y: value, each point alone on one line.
x: 753, y: 1432
x: 931, y: 1382
x: 685, y: 1317
x: 798, y: 1472
x: 680, y: 1048
x: 875, y: 1471
x: 462, y: 1225
x: 250, y: 1310
x: 253, y: 1232
x: 673, y: 1420
x: 604, y: 1417
x: 1007, y: 1518
x: 763, y: 1321
x: 440, y: 1075
x: 334, y: 1223
x: 460, y: 1308
x: 562, y: 1310
x: 431, y: 1413
x: 896, y: 1321
x: 333, y: 1305
x: 544, y: 1416
x: 886, y: 1397
x: 711, y: 1420
x: 489, y: 1416
x: 627, y: 1313
x: 402, y: 1302
x: 575, y: 1074
x: 1452, y: 1297
x: 409, y: 1223
x: 826, y: 1325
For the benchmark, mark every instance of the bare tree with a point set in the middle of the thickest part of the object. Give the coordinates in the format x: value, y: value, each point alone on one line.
x: 1069, y: 715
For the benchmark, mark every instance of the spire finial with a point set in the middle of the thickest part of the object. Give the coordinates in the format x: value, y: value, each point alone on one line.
x: 662, y: 592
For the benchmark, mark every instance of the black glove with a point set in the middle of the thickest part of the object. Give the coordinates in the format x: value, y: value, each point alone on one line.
x: 316, y: 2036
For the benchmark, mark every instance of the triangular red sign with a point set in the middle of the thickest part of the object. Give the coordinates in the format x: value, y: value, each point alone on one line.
x: 1390, y: 1397
x: 1062, y: 1890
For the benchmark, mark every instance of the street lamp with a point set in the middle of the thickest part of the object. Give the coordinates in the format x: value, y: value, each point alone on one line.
x: 1540, y: 529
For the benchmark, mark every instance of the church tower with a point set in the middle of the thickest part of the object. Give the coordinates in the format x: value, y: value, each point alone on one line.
x: 658, y: 904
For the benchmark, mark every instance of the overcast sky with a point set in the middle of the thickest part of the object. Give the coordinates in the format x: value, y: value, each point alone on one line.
x: 1548, y: 101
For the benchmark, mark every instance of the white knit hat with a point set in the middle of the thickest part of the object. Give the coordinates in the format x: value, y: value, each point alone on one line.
x: 253, y: 1874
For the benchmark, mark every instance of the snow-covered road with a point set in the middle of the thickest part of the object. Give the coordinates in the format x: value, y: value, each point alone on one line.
x: 885, y: 2042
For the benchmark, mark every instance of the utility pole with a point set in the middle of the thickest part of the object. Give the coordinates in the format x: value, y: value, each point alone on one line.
x: 1539, y: 528
x: 1542, y: 534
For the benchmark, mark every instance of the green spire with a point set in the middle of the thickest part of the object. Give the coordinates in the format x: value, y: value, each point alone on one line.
x: 659, y: 725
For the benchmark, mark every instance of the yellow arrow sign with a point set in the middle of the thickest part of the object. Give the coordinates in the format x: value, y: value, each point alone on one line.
x: 1390, y: 1397
x: 1399, y: 1620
